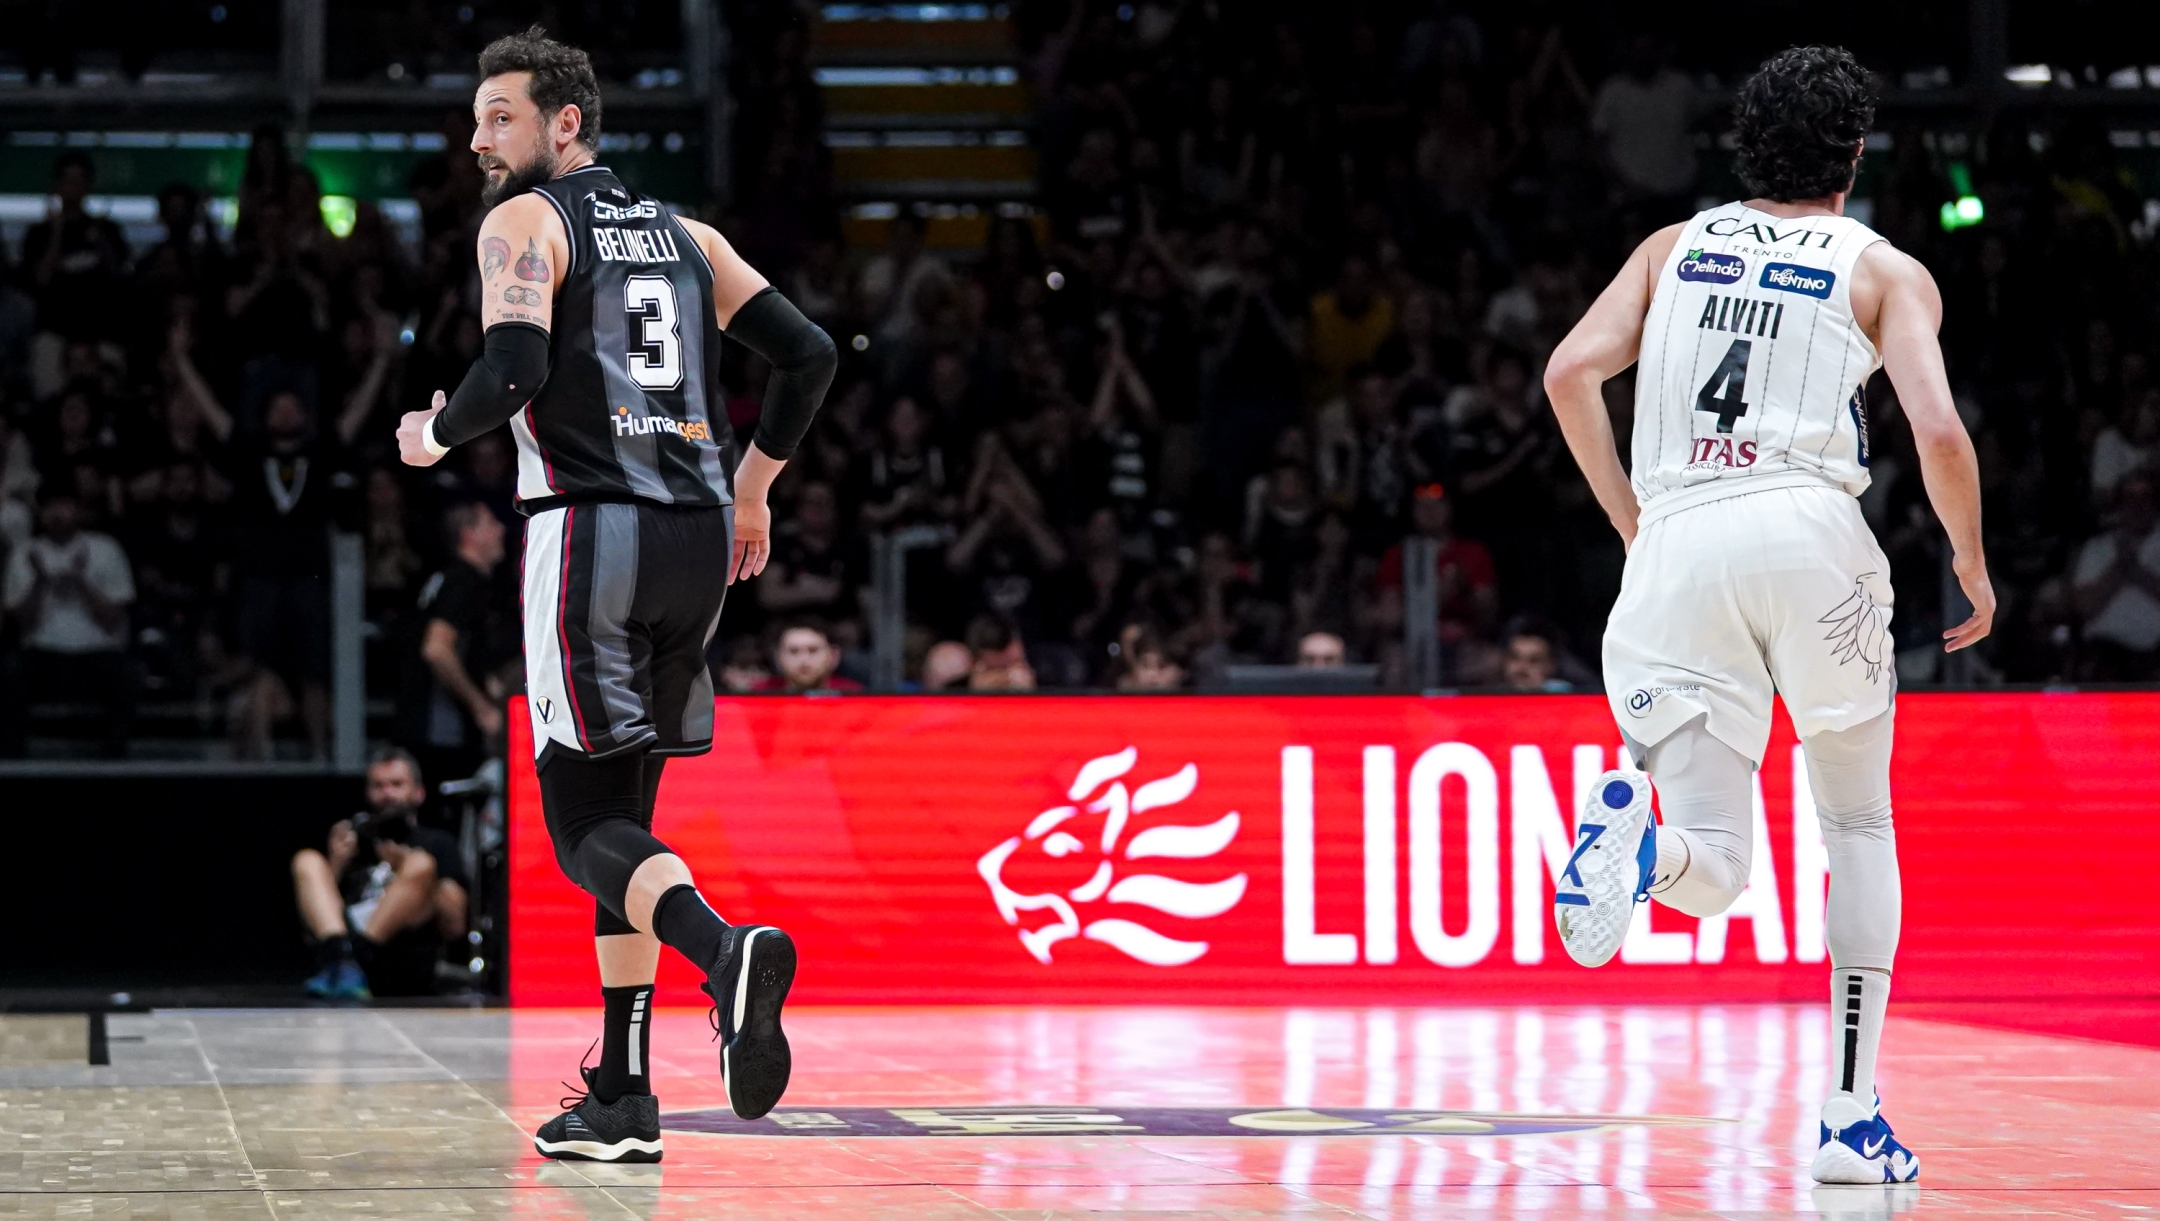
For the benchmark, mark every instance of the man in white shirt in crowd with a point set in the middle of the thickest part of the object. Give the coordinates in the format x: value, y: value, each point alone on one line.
x: 1644, y: 118
x: 2117, y: 584
x: 69, y: 590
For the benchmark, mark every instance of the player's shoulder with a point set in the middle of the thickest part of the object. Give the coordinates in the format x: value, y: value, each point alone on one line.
x: 525, y: 213
x: 1883, y: 262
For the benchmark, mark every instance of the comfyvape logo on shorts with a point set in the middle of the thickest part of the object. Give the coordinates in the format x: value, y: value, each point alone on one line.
x: 1712, y: 268
x: 1049, y: 853
x: 1807, y: 281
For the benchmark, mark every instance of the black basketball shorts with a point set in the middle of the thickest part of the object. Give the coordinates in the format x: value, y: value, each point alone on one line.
x: 620, y: 603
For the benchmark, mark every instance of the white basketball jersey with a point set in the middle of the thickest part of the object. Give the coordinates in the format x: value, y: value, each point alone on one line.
x: 1753, y: 369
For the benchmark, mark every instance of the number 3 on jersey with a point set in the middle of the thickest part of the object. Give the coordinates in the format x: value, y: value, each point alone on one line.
x: 1725, y: 393
x: 655, y: 355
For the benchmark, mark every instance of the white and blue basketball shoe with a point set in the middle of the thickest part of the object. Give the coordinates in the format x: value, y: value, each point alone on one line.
x: 1610, y: 872
x: 1858, y: 1146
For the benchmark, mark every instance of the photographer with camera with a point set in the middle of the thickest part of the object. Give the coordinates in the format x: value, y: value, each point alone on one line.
x: 384, y: 895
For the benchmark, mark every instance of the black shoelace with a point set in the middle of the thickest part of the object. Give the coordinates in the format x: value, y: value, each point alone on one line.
x: 576, y: 1098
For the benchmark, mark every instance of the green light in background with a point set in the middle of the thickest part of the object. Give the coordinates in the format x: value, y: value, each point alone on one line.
x: 1966, y: 209
x: 339, y: 212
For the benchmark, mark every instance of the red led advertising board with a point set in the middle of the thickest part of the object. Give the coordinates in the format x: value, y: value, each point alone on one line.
x: 1397, y: 850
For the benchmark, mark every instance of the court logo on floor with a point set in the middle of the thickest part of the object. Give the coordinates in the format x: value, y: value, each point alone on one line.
x: 1141, y: 1121
x: 1049, y: 869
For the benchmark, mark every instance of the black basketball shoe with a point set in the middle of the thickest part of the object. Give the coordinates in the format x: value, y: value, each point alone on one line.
x: 589, y: 1130
x: 748, y: 985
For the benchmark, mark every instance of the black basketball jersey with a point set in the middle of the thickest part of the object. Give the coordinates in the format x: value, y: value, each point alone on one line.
x: 631, y: 410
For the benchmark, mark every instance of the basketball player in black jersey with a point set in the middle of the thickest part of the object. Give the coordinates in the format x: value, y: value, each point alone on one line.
x: 603, y: 316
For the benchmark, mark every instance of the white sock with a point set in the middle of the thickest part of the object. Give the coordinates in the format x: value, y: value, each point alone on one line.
x: 1858, y: 999
x: 1674, y: 851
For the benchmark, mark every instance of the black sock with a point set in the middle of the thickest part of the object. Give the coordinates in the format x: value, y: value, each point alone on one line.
x: 683, y: 919
x: 330, y: 951
x: 625, y: 1043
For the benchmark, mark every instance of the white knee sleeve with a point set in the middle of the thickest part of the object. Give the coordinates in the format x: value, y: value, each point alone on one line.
x: 1849, y: 772
x: 1706, y: 792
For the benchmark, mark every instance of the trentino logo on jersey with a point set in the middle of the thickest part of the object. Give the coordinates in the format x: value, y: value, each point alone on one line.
x: 1791, y: 278
x: 627, y: 425
x: 644, y: 209
x: 1712, y: 268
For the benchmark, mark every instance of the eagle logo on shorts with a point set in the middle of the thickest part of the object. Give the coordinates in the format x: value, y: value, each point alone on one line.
x: 1069, y: 873
x: 1859, y: 629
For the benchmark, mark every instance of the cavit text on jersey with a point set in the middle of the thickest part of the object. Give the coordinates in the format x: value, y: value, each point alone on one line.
x: 635, y: 245
x: 627, y: 425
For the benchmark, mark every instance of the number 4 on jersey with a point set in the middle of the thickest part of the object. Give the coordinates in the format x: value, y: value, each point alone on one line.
x: 1725, y: 393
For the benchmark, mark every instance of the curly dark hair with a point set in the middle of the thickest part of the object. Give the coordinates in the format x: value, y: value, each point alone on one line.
x: 1799, y: 122
x: 562, y: 76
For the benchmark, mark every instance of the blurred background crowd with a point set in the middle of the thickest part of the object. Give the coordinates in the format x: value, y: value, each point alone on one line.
x: 1280, y: 302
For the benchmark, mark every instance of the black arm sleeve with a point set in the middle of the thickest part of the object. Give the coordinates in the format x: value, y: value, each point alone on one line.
x: 803, y: 360
x: 507, y: 375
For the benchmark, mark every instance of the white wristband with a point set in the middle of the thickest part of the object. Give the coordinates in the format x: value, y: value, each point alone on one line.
x: 427, y: 439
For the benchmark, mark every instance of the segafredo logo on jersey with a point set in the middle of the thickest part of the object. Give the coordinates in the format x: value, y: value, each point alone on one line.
x: 1049, y: 854
x: 1787, y: 277
x: 1712, y: 268
x: 644, y: 209
x: 627, y: 425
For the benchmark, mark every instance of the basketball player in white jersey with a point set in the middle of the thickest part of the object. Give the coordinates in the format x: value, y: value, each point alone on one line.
x: 1755, y: 327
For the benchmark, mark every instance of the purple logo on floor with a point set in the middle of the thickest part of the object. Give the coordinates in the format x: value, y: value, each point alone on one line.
x: 1140, y: 1121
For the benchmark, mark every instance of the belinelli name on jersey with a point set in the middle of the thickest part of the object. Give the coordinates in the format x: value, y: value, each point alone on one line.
x: 635, y: 245
x: 1750, y: 358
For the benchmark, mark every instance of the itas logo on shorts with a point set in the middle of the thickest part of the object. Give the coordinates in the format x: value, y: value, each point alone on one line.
x: 1712, y: 268
x: 627, y: 425
x: 1791, y: 278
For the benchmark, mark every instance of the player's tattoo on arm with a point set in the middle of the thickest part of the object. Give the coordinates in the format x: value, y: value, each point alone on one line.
x: 511, y: 315
x: 518, y: 294
x: 494, y: 255
x: 532, y: 265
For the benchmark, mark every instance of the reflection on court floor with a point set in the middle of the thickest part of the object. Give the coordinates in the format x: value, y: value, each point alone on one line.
x: 934, y: 1113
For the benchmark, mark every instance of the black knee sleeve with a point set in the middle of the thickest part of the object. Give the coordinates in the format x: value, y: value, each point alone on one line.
x: 597, y: 815
x: 607, y: 924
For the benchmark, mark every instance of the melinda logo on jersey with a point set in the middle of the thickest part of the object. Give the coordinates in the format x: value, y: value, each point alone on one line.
x: 1705, y: 268
x: 627, y: 425
x: 1786, y: 277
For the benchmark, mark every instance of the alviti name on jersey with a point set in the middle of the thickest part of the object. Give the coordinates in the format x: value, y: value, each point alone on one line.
x: 1741, y: 315
x: 627, y: 425
x: 635, y: 245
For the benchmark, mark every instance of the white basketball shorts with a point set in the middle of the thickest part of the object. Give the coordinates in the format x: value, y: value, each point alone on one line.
x: 1722, y: 604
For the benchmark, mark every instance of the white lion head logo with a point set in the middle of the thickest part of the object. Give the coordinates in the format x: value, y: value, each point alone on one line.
x: 1098, y: 792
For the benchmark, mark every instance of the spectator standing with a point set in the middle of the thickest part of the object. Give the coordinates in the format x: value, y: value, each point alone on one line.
x: 285, y: 487
x: 75, y: 260
x: 451, y: 715
x: 70, y: 589
x: 1469, y: 595
x: 1645, y: 117
x: 1348, y: 322
x: 2116, y: 581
